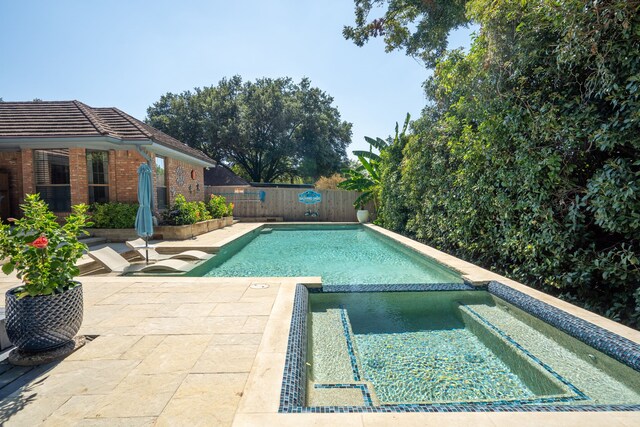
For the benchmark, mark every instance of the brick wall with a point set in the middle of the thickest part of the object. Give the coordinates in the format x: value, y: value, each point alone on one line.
x: 11, y: 163
x: 123, y: 177
x: 28, y: 179
x: 180, y: 180
x: 78, y: 176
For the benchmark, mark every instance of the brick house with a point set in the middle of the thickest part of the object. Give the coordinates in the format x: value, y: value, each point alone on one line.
x: 71, y: 153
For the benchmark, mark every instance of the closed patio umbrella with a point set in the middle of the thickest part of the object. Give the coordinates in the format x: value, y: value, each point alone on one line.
x: 144, y: 221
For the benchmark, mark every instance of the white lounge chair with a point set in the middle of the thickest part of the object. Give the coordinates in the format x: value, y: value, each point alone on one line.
x: 191, y: 255
x: 113, y: 261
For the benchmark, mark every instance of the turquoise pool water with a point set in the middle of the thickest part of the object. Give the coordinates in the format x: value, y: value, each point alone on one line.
x: 340, y: 255
x: 451, y: 347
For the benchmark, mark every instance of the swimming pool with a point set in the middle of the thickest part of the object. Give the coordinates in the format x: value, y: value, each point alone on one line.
x: 341, y: 255
x: 368, y: 342
x: 473, y: 350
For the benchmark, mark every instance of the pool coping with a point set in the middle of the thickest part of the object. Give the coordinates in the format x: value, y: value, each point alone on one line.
x: 260, y: 402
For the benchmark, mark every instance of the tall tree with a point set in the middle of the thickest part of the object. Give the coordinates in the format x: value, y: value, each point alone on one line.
x: 270, y: 128
x: 420, y: 27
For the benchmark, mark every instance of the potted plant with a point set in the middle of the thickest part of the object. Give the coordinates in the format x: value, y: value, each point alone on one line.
x: 45, y: 311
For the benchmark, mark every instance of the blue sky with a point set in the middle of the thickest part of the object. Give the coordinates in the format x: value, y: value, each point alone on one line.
x: 127, y: 54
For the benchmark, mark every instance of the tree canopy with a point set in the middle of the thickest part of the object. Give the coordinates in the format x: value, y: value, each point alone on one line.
x: 271, y: 128
x: 420, y: 27
x: 527, y: 158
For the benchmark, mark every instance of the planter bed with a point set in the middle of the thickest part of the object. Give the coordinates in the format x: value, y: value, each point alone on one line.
x: 166, y: 232
x: 183, y: 232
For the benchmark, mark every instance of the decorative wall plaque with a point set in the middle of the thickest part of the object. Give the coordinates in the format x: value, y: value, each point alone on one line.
x: 180, y: 176
x: 309, y: 197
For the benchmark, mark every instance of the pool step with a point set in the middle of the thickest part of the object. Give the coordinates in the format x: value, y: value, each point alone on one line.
x: 567, y: 357
x: 333, y: 362
x: 329, y: 359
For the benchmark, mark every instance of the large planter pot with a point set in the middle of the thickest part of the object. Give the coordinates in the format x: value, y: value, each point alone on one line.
x: 363, y: 215
x: 45, y: 322
x: 228, y: 220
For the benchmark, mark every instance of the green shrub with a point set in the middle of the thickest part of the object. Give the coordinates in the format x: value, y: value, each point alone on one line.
x: 218, y: 207
x: 203, y: 213
x: 114, y: 215
x: 185, y: 213
x: 526, y: 160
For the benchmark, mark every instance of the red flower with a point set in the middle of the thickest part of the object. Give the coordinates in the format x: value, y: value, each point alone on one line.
x: 40, y: 243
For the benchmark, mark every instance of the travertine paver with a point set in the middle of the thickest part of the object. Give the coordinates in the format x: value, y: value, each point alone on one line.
x: 105, y: 347
x: 176, y: 353
x: 226, y: 358
x: 160, y: 360
x: 139, y: 395
x: 211, y: 351
x: 204, y: 400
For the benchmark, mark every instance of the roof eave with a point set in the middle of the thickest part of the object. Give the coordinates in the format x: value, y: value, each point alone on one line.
x: 96, y: 142
x: 163, y: 150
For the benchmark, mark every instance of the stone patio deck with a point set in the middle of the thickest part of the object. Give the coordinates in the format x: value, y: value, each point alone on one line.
x: 198, y: 351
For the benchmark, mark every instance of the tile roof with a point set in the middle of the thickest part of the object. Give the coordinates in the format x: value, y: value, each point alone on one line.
x: 73, y: 119
x: 222, y: 175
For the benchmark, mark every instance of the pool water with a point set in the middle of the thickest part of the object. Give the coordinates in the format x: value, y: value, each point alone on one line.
x: 339, y: 254
x: 451, y: 347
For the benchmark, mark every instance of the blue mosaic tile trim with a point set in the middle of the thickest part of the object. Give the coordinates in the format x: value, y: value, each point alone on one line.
x: 366, y: 396
x: 350, y: 349
x: 619, y: 348
x: 400, y: 287
x: 466, y: 407
x: 294, y: 380
x: 579, y: 394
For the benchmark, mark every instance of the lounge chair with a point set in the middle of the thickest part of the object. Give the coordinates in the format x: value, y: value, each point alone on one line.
x: 113, y: 261
x: 155, y: 256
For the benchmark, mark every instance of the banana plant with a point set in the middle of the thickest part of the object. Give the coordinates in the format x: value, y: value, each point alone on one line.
x: 365, y: 178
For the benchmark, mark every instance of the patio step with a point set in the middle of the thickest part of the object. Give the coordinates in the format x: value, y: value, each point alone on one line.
x: 93, y: 241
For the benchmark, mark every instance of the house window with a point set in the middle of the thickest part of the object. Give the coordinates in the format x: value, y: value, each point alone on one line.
x: 161, y: 183
x: 52, y: 178
x: 98, y: 176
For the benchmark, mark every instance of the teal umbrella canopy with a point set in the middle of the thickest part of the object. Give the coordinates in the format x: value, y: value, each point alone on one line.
x: 144, y: 220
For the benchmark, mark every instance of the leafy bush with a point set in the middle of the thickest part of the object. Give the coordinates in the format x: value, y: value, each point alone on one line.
x: 185, y: 213
x: 527, y: 161
x: 114, y: 215
x: 218, y: 207
x: 43, y: 252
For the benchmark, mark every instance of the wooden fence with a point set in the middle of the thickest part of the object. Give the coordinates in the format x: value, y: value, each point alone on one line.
x: 260, y: 203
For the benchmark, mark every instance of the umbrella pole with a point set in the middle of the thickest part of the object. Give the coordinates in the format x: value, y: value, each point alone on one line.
x: 146, y: 245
